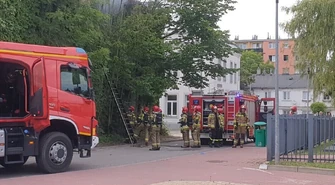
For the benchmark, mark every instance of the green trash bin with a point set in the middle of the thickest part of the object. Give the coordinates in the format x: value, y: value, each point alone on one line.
x: 260, y: 134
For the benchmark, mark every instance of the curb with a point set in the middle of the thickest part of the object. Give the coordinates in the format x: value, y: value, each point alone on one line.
x: 299, y: 169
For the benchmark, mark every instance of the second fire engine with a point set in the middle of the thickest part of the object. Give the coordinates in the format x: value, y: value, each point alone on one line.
x: 257, y: 109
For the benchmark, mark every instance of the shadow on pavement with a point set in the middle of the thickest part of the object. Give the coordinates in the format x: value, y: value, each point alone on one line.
x: 32, y: 170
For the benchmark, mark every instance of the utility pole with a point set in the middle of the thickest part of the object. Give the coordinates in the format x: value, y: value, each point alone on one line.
x: 277, y: 90
x: 308, y: 71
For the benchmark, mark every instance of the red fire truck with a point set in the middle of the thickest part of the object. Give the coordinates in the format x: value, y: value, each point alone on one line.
x: 257, y: 110
x: 47, y: 107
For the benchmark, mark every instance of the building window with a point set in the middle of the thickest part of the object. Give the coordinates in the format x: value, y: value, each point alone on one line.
x: 267, y: 94
x: 231, y: 75
x: 74, y: 81
x: 286, y: 70
x: 286, y: 45
x: 304, y: 95
x: 242, y: 46
x: 187, y: 102
x: 272, y: 58
x: 286, y: 95
x: 235, y: 74
x: 219, y: 78
x: 172, y: 105
x: 224, y: 64
x: 326, y: 97
x: 272, y: 45
x: 285, y: 58
x: 256, y: 45
x: 219, y: 86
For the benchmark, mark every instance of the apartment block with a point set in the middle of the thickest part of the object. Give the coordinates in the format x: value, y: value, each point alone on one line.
x: 268, y: 49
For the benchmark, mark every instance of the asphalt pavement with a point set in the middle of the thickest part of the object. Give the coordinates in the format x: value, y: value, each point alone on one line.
x: 110, y: 157
x: 170, y: 166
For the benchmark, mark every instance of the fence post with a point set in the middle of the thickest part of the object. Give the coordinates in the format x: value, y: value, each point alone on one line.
x: 310, y: 137
x: 269, y: 136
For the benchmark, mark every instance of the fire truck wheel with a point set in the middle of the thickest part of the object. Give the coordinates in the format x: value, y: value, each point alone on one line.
x: 56, y: 153
x: 14, y: 166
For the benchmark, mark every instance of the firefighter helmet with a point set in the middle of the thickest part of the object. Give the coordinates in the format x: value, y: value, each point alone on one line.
x: 146, y: 109
x: 220, y: 110
x: 155, y: 108
x: 185, y: 110
x: 244, y: 107
x: 131, y: 108
x: 214, y: 107
x: 294, y: 108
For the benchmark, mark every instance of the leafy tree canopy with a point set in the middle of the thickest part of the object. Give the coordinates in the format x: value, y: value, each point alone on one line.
x: 312, y: 27
x: 199, y: 40
x: 250, y: 62
x: 317, y: 107
x: 139, y: 48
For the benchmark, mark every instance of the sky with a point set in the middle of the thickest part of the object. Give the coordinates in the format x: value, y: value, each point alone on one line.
x: 255, y: 17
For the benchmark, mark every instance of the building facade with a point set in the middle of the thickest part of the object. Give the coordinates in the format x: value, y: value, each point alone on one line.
x: 268, y: 48
x: 172, y: 103
x: 293, y: 91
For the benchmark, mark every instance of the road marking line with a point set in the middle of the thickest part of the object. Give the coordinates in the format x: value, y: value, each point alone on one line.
x: 255, y: 169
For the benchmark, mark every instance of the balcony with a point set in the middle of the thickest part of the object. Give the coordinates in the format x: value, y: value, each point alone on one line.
x: 258, y: 50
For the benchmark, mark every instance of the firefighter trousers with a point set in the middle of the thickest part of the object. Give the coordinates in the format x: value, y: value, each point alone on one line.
x: 196, y: 135
x: 240, y: 133
x: 146, y: 132
x: 216, y: 136
x: 155, y: 136
x: 185, y: 130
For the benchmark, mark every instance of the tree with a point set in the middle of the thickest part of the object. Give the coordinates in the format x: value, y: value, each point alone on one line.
x: 199, y: 40
x: 250, y: 62
x: 317, y: 107
x: 312, y: 28
x: 133, y: 46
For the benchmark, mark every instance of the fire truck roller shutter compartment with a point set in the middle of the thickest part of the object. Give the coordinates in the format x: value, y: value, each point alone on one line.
x: 14, y: 88
x: 207, y: 104
x: 251, y: 112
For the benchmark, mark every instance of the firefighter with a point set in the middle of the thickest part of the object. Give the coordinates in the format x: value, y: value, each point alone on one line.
x: 222, y: 124
x: 293, y: 110
x: 144, y: 120
x: 196, y: 127
x: 156, y: 120
x: 184, y: 127
x: 131, y: 116
x: 214, y: 123
x: 241, y: 125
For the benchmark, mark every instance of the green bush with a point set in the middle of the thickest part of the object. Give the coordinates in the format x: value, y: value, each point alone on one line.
x: 317, y: 107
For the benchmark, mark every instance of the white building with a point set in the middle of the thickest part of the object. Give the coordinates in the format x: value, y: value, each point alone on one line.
x: 175, y: 99
x: 292, y: 91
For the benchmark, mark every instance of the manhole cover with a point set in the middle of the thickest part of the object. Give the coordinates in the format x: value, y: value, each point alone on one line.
x: 216, y: 161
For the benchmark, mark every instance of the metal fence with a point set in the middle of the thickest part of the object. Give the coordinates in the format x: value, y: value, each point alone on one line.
x: 302, y: 139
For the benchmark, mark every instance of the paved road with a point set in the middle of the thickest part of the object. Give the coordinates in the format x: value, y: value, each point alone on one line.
x: 112, y: 156
x: 170, y: 164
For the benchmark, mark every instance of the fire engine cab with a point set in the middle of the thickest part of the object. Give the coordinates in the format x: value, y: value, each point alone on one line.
x: 257, y: 110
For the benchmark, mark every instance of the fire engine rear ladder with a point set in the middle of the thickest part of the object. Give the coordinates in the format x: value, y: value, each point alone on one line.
x: 122, y: 111
x: 231, y: 109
